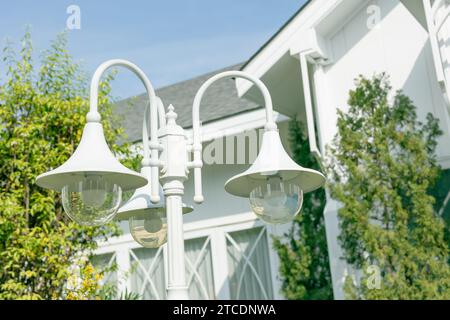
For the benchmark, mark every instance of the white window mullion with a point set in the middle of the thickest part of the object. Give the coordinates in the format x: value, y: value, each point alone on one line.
x: 166, y: 269
x: 123, y: 267
x: 274, y: 259
x: 220, y: 264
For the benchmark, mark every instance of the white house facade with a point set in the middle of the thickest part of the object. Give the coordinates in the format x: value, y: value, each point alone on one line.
x: 309, y: 66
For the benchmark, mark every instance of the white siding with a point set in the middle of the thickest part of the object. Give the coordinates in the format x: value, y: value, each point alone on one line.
x: 398, y: 45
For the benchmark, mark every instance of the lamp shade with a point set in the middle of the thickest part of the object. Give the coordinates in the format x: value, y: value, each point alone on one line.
x: 273, y: 160
x: 140, y: 205
x: 92, y: 157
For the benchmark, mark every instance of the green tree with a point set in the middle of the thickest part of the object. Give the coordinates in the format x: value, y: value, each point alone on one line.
x: 42, y: 114
x: 86, y: 285
x: 304, y: 264
x: 382, y: 167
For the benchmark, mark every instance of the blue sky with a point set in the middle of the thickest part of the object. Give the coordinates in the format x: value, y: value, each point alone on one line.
x: 170, y: 40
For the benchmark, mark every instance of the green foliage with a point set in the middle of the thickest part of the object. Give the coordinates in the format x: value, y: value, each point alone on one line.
x: 42, y: 114
x: 110, y: 292
x: 441, y: 192
x: 85, y: 285
x: 382, y: 167
x: 304, y: 264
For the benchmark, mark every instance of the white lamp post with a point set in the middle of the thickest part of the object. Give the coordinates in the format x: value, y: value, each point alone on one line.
x: 92, y: 179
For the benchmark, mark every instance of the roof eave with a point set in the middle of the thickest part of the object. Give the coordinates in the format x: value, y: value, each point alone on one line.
x: 284, y: 26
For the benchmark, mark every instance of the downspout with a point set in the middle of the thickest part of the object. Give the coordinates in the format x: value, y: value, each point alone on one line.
x: 304, y: 59
x: 338, y: 268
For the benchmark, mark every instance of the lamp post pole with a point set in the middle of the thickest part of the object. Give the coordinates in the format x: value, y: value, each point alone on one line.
x: 173, y: 175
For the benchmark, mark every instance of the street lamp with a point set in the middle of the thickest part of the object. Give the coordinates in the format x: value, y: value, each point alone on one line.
x: 274, y: 183
x: 92, y: 180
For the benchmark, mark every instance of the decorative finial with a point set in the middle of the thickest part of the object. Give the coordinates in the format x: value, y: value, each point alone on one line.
x: 171, y: 115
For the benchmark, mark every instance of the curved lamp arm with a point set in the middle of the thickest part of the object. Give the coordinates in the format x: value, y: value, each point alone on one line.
x: 145, y: 124
x: 154, y: 105
x: 197, y: 144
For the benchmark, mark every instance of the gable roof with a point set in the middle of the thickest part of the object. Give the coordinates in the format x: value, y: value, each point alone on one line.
x: 220, y: 101
x: 284, y: 26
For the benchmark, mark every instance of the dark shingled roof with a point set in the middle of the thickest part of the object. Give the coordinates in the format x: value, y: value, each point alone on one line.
x: 220, y: 101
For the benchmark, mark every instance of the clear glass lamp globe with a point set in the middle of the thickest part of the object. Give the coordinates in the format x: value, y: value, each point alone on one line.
x: 92, y: 201
x: 150, y: 229
x: 276, y: 201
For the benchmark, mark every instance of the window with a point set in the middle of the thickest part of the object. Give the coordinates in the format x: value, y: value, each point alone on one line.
x: 242, y: 266
x: 147, y: 276
x: 249, y: 265
x: 105, y: 263
x: 199, y: 271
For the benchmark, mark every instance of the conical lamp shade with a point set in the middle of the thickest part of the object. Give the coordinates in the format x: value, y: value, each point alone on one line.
x: 92, y: 157
x: 139, y: 205
x: 273, y: 160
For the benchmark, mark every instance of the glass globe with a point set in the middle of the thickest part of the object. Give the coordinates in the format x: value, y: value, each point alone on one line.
x: 276, y: 201
x: 149, y: 229
x: 91, y: 202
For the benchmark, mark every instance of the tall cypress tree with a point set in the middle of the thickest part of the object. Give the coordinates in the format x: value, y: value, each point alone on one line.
x: 304, y: 264
x: 382, y: 167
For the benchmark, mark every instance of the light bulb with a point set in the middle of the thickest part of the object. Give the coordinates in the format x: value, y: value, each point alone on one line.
x: 276, y: 201
x: 92, y: 201
x: 93, y: 192
x: 150, y: 228
x: 153, y: 224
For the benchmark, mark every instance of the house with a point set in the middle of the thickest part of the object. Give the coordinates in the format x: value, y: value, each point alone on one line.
x: 309, y: 66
